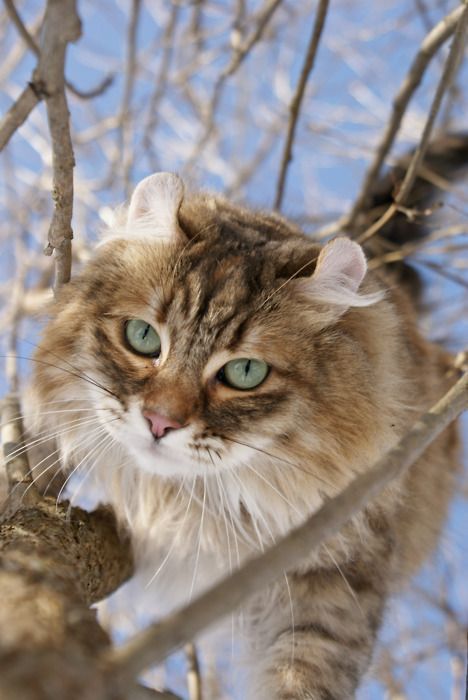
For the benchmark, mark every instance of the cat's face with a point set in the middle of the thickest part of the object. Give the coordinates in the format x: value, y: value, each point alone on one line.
x: 193, y: 351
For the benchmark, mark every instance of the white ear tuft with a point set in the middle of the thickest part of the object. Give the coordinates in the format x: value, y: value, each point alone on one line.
x: 341, y: 263
x: 340, y: 269
x: 155, y: 205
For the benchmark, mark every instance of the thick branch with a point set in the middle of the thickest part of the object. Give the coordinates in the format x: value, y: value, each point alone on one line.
x: 54, y: 562
x: 156, y: 642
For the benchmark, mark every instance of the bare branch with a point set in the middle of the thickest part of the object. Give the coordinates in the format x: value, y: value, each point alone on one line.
x: 18, y: 113
x: 15, y: 461
x: 19, y: 24
x: 157, y: 641
x: 61, y: 26
x: 34, y: 46
x: 125, y: 112
x: 448, y: 74
x: 193, y: 673
x: 239, y: 55
x: 296, y: 102
x: 431, y: 44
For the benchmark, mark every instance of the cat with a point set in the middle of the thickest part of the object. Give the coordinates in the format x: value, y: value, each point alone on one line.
x: 220, y: 375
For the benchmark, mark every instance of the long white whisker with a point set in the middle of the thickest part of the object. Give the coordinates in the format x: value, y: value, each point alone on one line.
x: 281, y: 495
x: 95, y: 435
x: 200, y: 533
x: 171, y: 548
x: 293, y: 627
x: 280, y: 459
x: 65, y: 428
x: 348, y: 585
x: 99, y: 456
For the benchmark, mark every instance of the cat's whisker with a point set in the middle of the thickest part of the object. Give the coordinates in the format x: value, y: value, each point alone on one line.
x: 228, y: 542
x: 347, y: 583
x: 200, y: 534
x: 65, y: 360
x: 97, y: 434
x: 67, y: 427
x: 283, y: 284
x: 293, y: 625
x: 52, y: 413
x: 187, y: 245
x: 105, y: 447
x: 174, y: 541
x: 280, y: 459
x: 273, y: 487
x: 36, y: 477
x: 223, y: 512
x: 77, y: 375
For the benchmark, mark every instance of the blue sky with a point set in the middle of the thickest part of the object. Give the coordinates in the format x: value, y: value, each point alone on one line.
x: 364, y: 56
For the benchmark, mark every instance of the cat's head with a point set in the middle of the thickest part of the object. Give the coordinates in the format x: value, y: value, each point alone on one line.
x: 201, y: 335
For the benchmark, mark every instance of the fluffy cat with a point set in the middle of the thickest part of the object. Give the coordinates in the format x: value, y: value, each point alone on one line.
x: 220, y: 375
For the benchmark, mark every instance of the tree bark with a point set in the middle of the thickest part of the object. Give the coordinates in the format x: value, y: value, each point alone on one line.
x: 55, y: 562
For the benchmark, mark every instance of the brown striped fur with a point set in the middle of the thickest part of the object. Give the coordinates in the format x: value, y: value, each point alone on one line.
x: 342, y: 389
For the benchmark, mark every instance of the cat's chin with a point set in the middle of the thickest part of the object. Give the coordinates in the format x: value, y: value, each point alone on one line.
x: 165, y: 460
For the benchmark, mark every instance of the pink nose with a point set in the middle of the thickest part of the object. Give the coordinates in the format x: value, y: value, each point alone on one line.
x: 160, y: 425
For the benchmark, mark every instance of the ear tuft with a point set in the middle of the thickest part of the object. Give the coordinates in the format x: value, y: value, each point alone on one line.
x: 340, y: 269
x: 341, y: 263
x: 155, y: 204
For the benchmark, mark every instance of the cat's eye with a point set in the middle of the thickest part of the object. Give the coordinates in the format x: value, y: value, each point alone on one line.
x: 142, y: 337
x: 244, y: 373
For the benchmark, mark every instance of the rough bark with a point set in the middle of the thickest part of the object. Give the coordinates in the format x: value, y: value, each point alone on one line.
x: 54, y: 562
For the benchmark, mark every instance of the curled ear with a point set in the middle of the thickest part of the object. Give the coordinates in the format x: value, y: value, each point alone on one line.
x: 340, y: 269
x: 154, y: 206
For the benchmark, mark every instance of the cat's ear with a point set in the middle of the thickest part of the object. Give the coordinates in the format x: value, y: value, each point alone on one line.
x: 154, y: 206
x: 340, y: 269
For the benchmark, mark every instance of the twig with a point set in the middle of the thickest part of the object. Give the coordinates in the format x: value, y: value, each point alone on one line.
x: 34, y: 47
x: 125, y: 108
x: 157, y: 641
x: 296, y: 102
x: 240, y: 54
x: 18, y: 113
x: 429, y: 47
x: 15, y: 460
x: 61, y: 26
x: 161, y: 81
x: 194, y: 684
x: 450, y: 69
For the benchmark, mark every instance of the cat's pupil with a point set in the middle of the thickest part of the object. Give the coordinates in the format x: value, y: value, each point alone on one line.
x: 244, y: 373
x: 142, y: 337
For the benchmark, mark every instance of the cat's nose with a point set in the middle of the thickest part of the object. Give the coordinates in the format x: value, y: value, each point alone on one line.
x: 160, y: 425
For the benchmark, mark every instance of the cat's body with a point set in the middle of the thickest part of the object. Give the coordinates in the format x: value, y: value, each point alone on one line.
x: 205, y: 474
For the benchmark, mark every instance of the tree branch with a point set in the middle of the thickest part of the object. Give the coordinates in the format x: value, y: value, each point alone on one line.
x: 429, y: 47
x: 157, y: 641
x: 448, y: 74
x: 296, y: 102
x: 18, y: 113
x: 61, y: 26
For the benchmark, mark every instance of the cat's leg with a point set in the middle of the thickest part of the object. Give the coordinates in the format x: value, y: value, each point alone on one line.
x: 315, y: 637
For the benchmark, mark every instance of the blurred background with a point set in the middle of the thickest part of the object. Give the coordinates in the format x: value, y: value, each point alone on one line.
x: 203, y: 88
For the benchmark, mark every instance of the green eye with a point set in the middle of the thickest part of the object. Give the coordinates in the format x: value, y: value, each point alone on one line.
x: 244, y: 373
x: 142, y: 337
